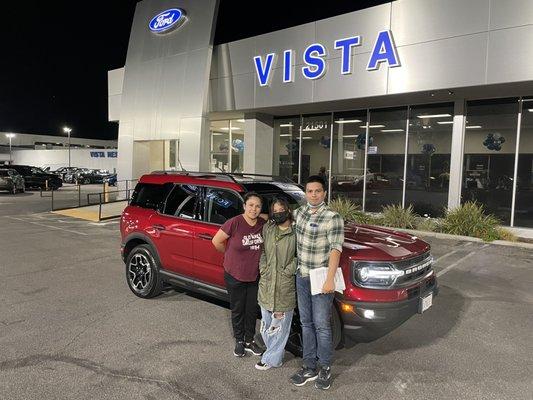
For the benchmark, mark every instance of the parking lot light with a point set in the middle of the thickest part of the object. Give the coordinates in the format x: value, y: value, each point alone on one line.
x: 67, y: 130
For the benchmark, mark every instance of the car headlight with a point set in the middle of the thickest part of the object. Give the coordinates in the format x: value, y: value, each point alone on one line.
x: 375, y: 274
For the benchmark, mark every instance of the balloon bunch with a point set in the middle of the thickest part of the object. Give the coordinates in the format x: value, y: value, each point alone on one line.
x: 238, y: 144
x: 325, y: 142
x: 361, y: 139
x: 494, y: 141
x: 428, y: 149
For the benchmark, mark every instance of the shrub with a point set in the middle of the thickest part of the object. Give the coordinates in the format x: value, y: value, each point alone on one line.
x: 349, y: 211
x: 470, y: 220
x: 505, y: 234
x: 427, y: 224
x: 398, y: 217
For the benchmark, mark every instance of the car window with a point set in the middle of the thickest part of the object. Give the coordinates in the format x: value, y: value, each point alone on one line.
x: 221, y: 205
x: 181, y: 201
x: 149, y: 195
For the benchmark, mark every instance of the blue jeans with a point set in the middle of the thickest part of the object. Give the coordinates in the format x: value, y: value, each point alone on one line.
x: 275, y: 332
x: 315, y: 316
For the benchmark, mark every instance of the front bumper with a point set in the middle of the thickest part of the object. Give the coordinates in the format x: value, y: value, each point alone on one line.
x: 384, y: 316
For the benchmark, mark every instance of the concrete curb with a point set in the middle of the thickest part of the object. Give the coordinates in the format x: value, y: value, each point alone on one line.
x: 447, y: 236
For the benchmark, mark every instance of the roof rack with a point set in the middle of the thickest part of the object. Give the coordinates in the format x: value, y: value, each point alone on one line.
x: 230, y: 176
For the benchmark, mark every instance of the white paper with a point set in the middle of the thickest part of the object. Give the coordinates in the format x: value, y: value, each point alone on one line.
x: 318, y: 277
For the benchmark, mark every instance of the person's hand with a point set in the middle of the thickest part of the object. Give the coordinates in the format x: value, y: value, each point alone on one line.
x: 329, y: 286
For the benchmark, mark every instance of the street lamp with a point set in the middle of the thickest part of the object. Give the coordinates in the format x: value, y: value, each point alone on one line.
x: 67, y: 130
x: 10, y: 136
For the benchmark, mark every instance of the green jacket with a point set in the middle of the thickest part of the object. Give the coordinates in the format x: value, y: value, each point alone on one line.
x: 277, y: 269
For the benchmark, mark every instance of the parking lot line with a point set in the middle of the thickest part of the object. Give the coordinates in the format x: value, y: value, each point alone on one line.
x: 49, y: 226
x: 449, y: 267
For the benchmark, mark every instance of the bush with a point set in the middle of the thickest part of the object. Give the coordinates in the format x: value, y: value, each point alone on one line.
x: 349, y: 211
x: 505, y: 234
x: 470, y: 220
x: 398, y: 217
x: 427, y: 224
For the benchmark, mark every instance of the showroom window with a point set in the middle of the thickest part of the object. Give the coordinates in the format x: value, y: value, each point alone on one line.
x: 428, y: 159
x: 287, y: 148
x: 386, y: 158
x: 227, y: 145
x: 348, y: 155
x: 489, y: 155
x: 523, y: 212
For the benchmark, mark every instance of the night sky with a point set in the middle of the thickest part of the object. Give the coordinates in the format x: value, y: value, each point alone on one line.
x: 56, y: 55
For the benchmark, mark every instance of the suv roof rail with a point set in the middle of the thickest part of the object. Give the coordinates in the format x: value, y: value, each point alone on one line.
x: 228, y: 175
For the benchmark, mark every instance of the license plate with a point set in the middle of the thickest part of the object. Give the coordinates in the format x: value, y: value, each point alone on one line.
x: 426, y: 302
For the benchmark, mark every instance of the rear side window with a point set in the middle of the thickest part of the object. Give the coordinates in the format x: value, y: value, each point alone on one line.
x: 182, y: 201
x: 221, y: 205
x: 149, y: 195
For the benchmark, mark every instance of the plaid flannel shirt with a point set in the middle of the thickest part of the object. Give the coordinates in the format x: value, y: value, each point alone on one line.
x: 316, y: 235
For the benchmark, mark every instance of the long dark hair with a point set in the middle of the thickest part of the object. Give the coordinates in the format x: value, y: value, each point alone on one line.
x: 283, y: 201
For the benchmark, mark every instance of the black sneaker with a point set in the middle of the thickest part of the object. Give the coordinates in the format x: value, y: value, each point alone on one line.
x: 324, y: 378
x: 253, y: 348
x: 239, y: 349
x: 303, y: 376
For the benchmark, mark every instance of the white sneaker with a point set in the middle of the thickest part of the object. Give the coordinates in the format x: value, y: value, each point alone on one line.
x: 262, y: 367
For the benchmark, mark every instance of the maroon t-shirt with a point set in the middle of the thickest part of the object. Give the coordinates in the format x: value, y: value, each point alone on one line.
x: 243, y: 248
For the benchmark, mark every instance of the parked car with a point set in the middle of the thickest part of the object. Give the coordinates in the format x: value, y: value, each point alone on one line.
x: 87, y: 176
x: 111, y: 179
x: 11, y: 181
x: 61, y: 172
x: 37, y: 178
x: 172, y: 217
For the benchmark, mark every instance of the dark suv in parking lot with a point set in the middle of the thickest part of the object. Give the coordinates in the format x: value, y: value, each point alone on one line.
x: 172, y: 217
x: 36, y: 178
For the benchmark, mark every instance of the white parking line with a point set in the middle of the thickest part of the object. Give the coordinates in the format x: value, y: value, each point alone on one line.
x: 455, y: 264
x: 49, y: 226
x: 451, y: 253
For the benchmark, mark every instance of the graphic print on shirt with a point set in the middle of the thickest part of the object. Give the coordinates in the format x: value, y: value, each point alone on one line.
x: 253, y: 240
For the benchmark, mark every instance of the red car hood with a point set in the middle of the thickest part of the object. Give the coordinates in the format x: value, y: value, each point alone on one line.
x: 365, y: 242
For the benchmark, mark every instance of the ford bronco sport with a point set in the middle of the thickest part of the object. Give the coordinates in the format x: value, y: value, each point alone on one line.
x: 172, y: 217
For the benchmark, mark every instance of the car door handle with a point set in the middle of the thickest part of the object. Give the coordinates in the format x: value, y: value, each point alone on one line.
x: 158, y: 227
x: 205, y: 236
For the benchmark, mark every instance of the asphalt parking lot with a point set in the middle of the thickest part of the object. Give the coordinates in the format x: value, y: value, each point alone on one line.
x: 71, y: 329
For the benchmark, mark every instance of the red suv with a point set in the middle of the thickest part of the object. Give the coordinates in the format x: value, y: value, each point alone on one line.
x: 172, y: 217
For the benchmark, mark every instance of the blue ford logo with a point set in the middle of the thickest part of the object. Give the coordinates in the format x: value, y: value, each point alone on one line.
x: 167, y: 20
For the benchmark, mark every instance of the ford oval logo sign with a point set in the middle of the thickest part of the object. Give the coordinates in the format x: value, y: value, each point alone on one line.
x: 167, y: 20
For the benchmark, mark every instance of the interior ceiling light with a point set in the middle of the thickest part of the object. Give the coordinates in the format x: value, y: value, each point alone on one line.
x: 530, y: 109
x: 372, y: 126
x: 392, y: 130
x: 307, y: 137
x: 445, y: 122
x: 347, y: 121
x: 434, y: 116
x: 233, y: 128
x: 310, y: 129
x: 286, y: 134
x: 285, y: 125
x: 241, y: 121
x: 473, y: 127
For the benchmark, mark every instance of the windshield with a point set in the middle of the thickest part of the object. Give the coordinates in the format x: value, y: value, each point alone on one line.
x: 3, y: 172
x: 36, y: 170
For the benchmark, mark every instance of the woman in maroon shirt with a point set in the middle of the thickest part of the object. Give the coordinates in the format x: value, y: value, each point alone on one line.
x: 240, y: 240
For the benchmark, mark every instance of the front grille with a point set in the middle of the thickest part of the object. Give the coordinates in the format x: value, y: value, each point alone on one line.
x: 413, y: 276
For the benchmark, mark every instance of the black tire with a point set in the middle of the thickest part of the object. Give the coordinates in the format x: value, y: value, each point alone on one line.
x: 86, y: 181
x: 142, y: 272
x: 23, y: 188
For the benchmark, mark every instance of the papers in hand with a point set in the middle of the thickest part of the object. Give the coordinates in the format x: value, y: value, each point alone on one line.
x: 318, y: 277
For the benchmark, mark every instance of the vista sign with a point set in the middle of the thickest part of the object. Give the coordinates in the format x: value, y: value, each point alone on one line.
x: 384, y: 51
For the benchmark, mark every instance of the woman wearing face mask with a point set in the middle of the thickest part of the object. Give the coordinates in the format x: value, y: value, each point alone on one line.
x: 277, y: 288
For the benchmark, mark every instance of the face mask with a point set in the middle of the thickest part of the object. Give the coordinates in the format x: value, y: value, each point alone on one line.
x: 280, y: 217
x: 317, y: 206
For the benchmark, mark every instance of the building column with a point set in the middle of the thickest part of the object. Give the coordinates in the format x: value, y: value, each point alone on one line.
x: 457, y: 150
x: 258, y: 143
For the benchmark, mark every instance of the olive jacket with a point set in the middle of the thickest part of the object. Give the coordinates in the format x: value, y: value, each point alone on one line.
x: 277, y: 269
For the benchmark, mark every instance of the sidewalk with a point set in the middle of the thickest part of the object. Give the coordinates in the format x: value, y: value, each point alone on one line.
x: 90, y: 213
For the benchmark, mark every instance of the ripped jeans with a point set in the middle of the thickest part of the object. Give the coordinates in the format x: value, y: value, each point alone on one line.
x: 275, y: 332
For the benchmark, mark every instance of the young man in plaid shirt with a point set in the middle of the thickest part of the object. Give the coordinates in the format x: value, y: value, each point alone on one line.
x: 319, y: 238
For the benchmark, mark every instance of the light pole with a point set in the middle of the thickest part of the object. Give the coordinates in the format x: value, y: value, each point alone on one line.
x: 10, y: 136
x: 67, y: 130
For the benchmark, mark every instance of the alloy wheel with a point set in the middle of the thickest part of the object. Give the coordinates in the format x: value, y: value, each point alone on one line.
x: 140, y: 273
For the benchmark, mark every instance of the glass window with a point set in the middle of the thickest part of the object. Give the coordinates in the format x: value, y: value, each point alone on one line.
x: 179, y: 198
x: 348, y: 157
x: 220, y: 145
x: 149, y: 195
x: 237, y: 145
x: 287, y: 147
x: 316, y: 142
x: 221, y: 205
x: 489, y: 155
x: 523, y: 216
x: 428, y: 160
x: 386, y: 156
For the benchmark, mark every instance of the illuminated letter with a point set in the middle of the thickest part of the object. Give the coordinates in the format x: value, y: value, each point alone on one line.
x: 384, y: 50
x: 263, y: 72
x: 313, y: 57
x: 346, y: 46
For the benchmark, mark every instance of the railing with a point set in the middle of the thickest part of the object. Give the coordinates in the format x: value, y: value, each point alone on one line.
x: 105, y: 198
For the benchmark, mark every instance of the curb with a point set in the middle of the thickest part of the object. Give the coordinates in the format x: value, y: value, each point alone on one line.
x: 467, y: 238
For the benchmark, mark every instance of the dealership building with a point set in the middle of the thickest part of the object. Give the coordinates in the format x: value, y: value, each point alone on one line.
x: 422, y: 102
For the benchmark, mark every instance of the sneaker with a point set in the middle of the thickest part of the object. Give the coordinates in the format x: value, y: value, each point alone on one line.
x: 239, y: 349
x: 324, y: 378
x: 262, y: 366
x: 253, y: 348
x: 303, y: 376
